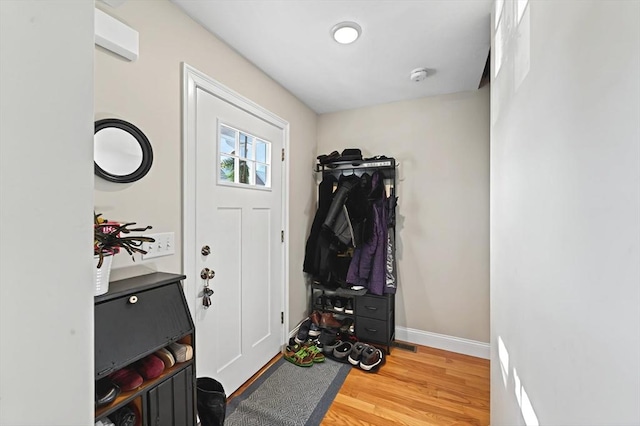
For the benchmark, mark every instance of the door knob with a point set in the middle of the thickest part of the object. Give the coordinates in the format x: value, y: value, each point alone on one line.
x: 207, y: 274
x: 206, y: 250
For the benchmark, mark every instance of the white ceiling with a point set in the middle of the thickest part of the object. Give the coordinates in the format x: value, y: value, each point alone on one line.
x: 290, y: 41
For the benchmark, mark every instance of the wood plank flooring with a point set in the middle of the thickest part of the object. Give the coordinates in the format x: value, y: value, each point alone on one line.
x: 427, y: 387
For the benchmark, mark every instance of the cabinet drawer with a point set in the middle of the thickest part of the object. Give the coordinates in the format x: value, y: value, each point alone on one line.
x: 371, y: 329
x: 127, y: 329
x: 372, y: 307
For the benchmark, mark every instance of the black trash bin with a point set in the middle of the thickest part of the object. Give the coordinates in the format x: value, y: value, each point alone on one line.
x: 211, y: 401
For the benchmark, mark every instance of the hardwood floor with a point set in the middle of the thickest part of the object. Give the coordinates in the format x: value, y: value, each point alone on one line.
x: 427, y: 387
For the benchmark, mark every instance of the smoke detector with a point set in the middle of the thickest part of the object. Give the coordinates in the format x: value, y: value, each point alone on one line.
x: 418, y: 74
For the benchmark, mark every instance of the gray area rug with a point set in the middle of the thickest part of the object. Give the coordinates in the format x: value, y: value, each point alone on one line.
x: 288, y: 395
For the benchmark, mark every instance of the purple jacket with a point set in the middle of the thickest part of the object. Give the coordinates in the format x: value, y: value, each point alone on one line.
x: 368, y: 266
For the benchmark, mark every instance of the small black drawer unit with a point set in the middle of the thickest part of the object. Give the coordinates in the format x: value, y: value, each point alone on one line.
x: 375, y: 319
x: 135, y: 318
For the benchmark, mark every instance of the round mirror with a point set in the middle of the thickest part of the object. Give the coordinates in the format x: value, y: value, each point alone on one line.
x: 122, y: 153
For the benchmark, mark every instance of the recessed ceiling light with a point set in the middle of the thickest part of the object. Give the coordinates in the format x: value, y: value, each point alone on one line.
x: 346, y: 32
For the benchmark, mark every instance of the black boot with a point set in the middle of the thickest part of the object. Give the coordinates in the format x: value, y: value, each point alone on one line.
x: 211, y: 401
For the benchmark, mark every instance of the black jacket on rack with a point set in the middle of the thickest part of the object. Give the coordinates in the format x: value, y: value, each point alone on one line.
x: 312, y: 251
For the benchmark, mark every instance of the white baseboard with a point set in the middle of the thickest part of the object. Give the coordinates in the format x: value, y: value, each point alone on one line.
x: 442, y: 341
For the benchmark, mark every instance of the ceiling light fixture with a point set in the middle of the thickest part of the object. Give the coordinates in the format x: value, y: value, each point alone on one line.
x: 346, y: 32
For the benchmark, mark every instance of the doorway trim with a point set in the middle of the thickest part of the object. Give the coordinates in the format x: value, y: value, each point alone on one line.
x: 192, y: 79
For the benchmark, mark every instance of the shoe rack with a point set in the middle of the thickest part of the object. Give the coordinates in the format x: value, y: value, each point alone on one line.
x: 137, y: 317
x: 324, y: 300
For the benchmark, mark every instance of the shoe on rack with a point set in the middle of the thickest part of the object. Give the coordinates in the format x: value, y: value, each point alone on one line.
x: 150, y: 367
x: 181, y: 352
x: 298, y: 355
x: 328, y: 303
x: 348, y: 309
x: 343, y: 350
x: 329, y: 321
x: 356, y: 353
x: 127, y: 379
x: 347, y: 323
x: 315, y: 317
x: 338, y: 305
x: 371, y: 358
x: 303, y: 331
x: 314, y: 330
x: 106, y: 391
x: 166, y: 356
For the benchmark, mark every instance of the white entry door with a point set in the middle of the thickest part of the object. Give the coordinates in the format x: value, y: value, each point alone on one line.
x: 238, y: 215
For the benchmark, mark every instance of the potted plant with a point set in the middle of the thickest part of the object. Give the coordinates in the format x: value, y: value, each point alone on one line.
x: 108, y: 239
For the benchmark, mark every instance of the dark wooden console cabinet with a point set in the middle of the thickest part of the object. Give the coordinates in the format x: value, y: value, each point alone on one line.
x: 135, y: 318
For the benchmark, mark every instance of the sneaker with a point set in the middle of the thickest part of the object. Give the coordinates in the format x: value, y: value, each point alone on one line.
x: 348, y: 309
x: 328, y: 303
x: 347, y: 323
x: 343, y: 350
x: 356, y: 353
x: 328, y: 348
x: 371, y: 358
x: 327, y: 336
x: 298, y: 355
x: 338, y: 305
x: 303, y: 331
x: 314, y: 330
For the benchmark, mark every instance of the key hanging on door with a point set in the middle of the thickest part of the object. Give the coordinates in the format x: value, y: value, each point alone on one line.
x: 206, y: 274
x: 206, y: 295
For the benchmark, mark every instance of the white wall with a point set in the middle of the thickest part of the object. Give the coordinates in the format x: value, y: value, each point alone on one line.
x: 565, y: 213
x: 442, y: 145
x: 46, y: 188
x: 147, y: 92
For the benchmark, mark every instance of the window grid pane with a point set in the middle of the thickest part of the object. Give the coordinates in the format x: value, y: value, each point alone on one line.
x: 244, y: 159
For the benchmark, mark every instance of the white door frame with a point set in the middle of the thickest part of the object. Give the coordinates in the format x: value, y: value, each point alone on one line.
x: 192, y: 80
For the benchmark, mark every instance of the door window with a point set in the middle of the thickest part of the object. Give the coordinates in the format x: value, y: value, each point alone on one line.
x: 245, y: 159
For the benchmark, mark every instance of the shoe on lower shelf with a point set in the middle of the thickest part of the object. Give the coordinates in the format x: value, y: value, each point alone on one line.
x: 181, y: 352
x: 127, y: 379
x: 329, y: 321
x: 106, y: 392
x: 348, y: 309
x: 150, y: 367
x: 167, y: 357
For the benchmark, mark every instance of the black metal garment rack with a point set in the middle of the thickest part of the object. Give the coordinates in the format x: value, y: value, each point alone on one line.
x: 373, y: 315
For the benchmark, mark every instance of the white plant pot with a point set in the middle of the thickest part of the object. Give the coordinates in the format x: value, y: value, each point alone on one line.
x: 101, y: 275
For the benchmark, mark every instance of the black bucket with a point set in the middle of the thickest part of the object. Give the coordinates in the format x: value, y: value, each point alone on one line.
x: 211, y: 401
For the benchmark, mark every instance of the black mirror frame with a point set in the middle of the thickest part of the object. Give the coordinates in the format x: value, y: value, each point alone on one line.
x: 145, y: 145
